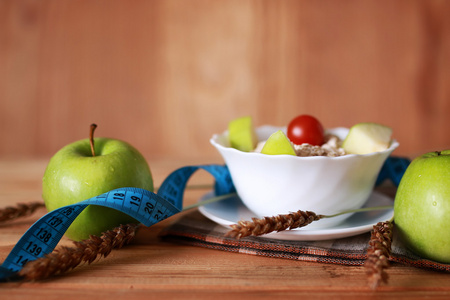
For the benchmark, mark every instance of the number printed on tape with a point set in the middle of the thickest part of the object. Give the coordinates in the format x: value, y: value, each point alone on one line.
x: 145, y: 206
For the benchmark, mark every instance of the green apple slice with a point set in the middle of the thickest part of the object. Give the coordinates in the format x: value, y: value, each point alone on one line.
x: 278, y: 143
x: 366, y: 138
x: 241, y: 134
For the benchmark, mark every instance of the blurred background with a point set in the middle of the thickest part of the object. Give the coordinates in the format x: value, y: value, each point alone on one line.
x: 165, y: 75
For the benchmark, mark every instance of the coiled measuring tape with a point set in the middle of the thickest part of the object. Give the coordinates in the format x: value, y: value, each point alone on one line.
x: 146, y: 207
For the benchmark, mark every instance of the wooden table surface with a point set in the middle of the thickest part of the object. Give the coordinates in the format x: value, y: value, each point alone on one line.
x: 150, y: 268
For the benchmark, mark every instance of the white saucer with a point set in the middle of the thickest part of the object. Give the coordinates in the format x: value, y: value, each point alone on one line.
x: 232, y: 210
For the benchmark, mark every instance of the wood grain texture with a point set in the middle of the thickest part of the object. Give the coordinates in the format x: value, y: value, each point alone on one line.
x: 166, y: 75
x: 153, y: 269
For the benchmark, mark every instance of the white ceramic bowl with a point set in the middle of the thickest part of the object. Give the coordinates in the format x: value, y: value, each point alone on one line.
x: 277, y: 184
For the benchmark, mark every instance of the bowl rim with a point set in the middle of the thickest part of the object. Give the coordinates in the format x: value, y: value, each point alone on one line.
x: 214, y: 141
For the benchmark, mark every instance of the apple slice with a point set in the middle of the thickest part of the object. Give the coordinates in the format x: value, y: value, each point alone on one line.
x: 366, y: 138
x: 278, y: 143
x: 241, y: 134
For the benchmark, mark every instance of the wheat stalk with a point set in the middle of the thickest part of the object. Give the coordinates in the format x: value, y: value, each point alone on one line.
x: 10, y: 213
x: 277, y: 223
x: 261, y: 226
x: 65, y: 258
x: 378, y: 253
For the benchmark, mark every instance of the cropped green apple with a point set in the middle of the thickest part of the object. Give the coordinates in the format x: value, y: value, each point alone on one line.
x: 74, y: 174
x: 422, y: 206
x: 278, y: 143
x: 365, y: 138
x: 241, y: 134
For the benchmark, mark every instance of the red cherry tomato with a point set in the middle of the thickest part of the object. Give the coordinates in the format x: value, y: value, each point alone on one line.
x: 305, y: 129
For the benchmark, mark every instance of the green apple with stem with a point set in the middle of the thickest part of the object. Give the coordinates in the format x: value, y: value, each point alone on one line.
x: 241, y: 134
x: 422, y: 206
x: 88, y: 168
x: 277, y: 144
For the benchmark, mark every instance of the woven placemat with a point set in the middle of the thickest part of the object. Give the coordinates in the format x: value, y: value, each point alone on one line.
x: 195, y: 229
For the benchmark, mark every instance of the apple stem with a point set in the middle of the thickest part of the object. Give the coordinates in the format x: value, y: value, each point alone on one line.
x: 438, y: 153
x: 91, y: 137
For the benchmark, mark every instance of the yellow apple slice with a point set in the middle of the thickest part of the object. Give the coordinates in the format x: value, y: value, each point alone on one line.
x: 278, y: 143
x: 366, y: 138
x: 241, y: 134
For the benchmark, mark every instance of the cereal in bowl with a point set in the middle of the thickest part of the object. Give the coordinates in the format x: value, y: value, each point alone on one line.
x: 305, y: 136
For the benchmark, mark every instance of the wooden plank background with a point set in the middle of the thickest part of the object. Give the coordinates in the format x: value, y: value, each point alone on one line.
x: 166, y: 75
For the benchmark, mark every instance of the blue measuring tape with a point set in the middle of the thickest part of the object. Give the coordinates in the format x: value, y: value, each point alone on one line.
x: 393, y: 170
x: 146, y: 207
